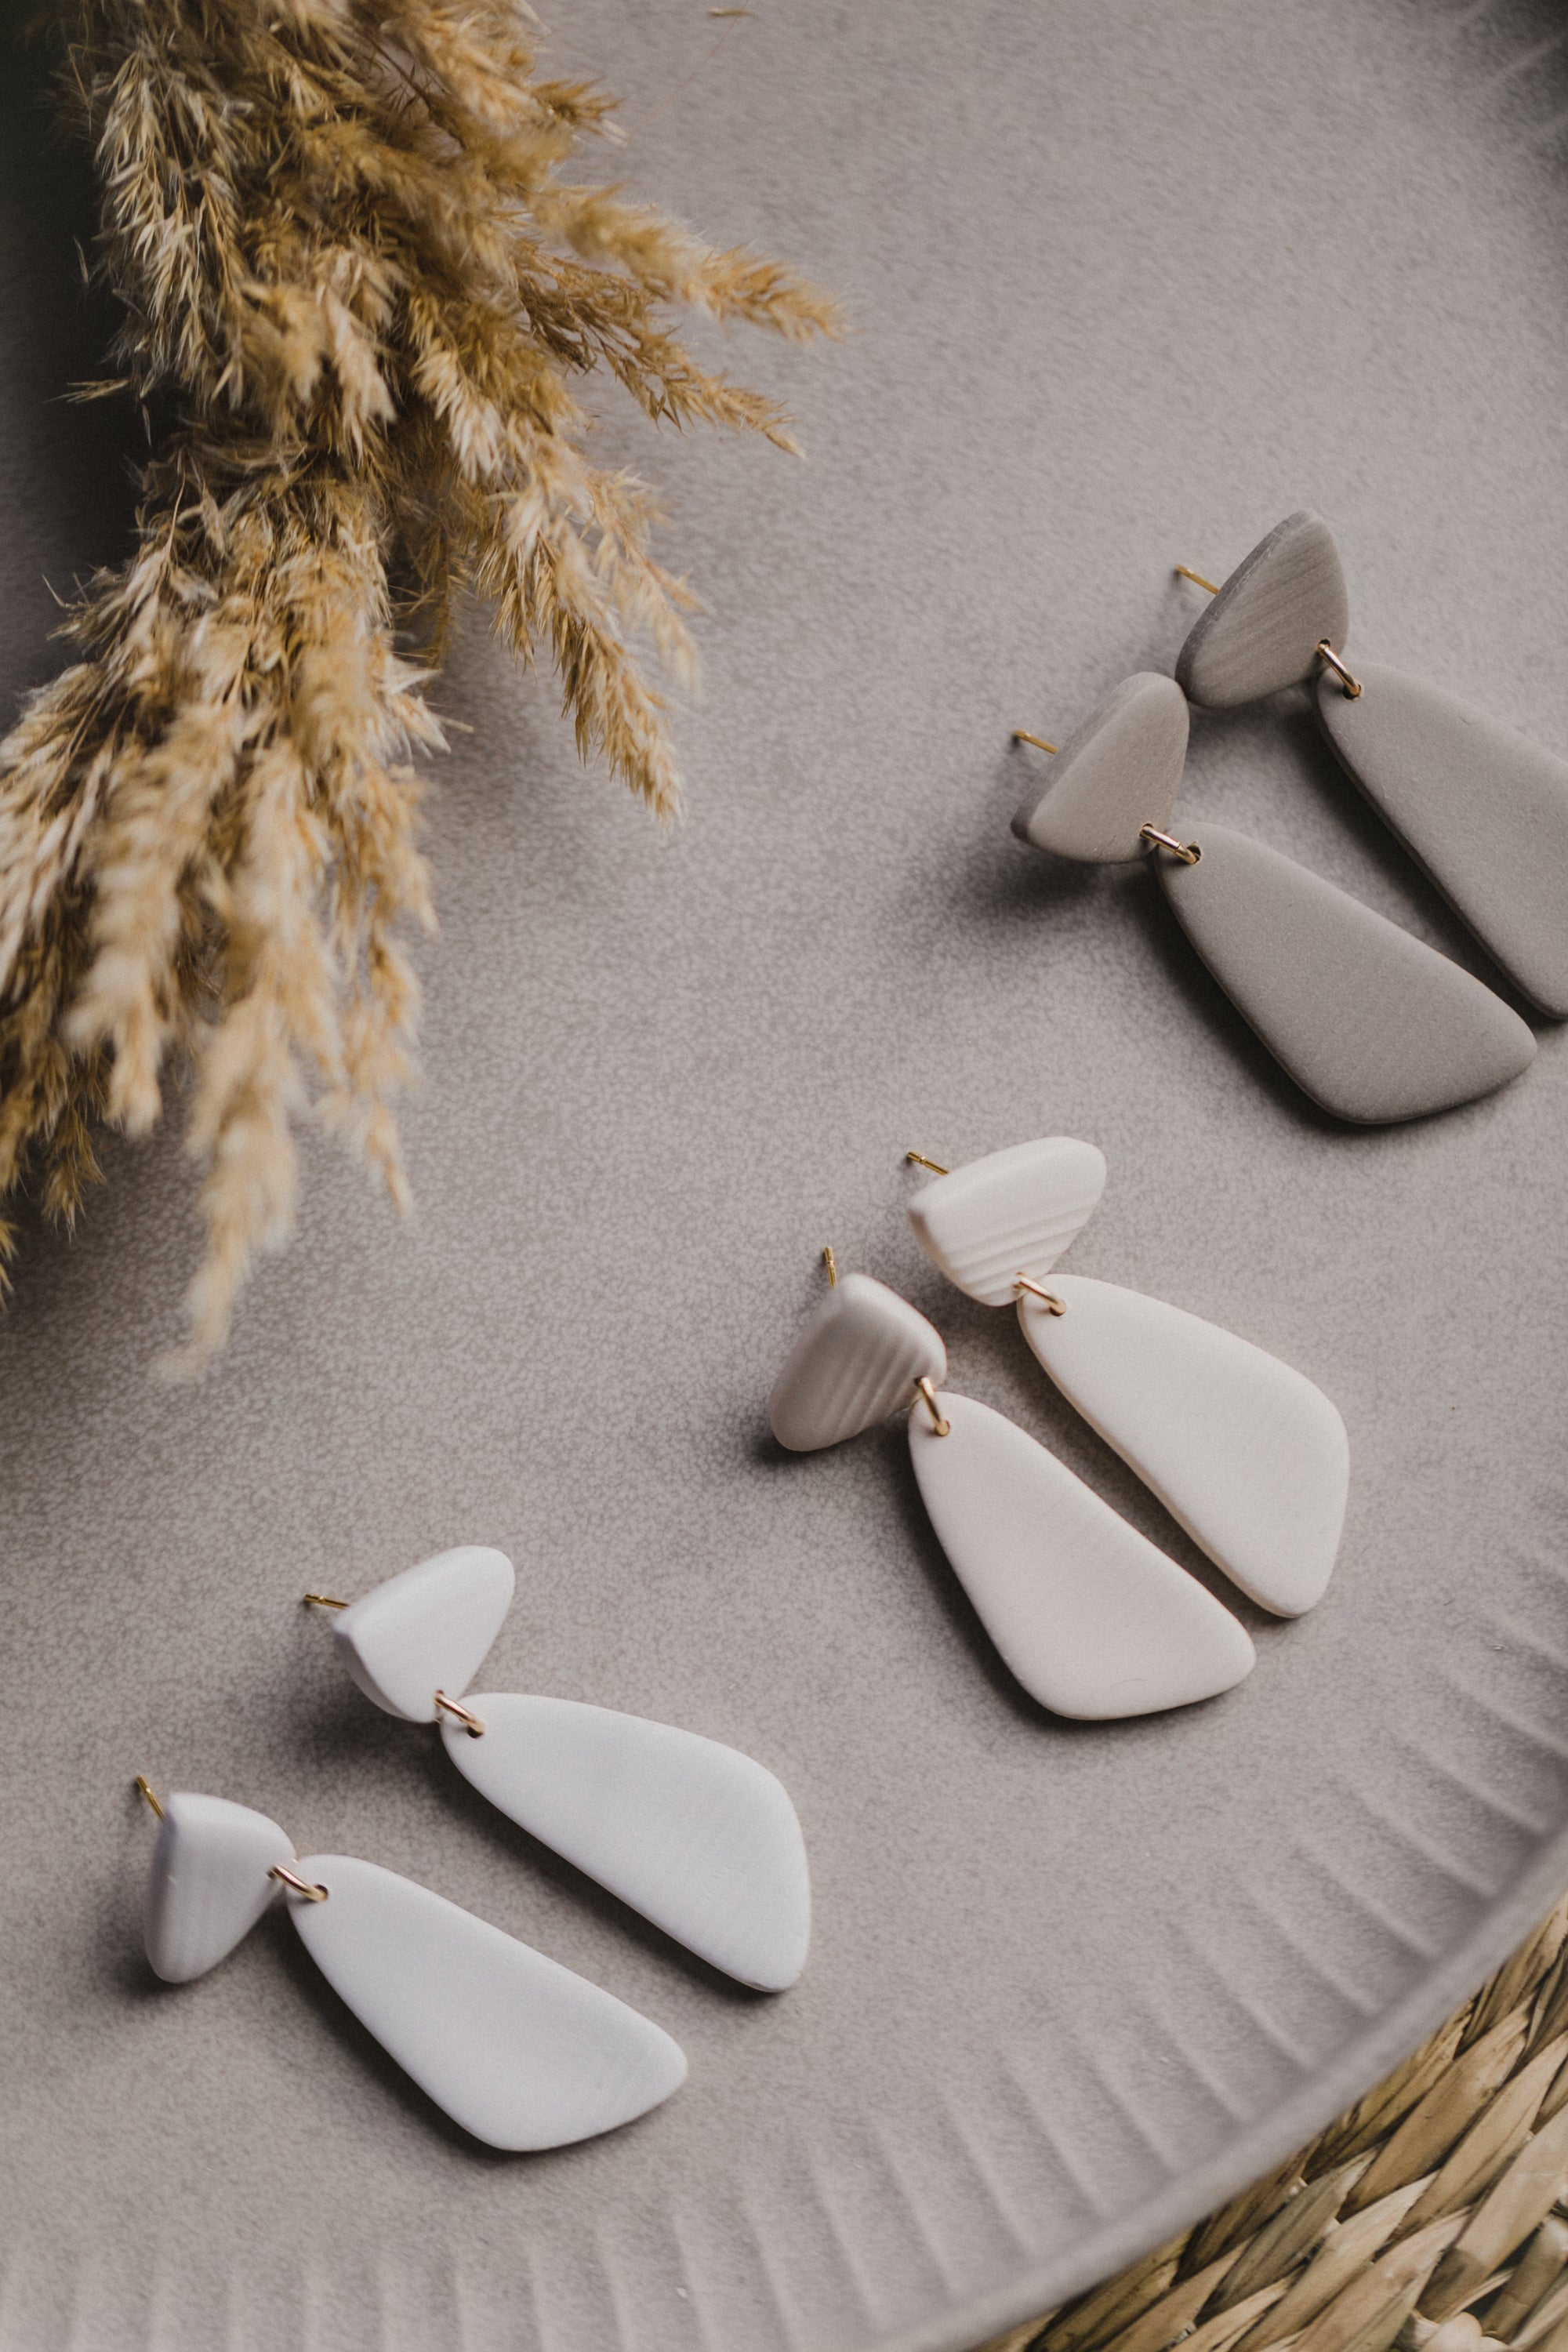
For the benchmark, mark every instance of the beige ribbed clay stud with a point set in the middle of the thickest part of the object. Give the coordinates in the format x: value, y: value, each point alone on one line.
x: 1245, y: 1452
x: 1092, y: 1617
x: 1481, y: 810
x: 1371, y: 1024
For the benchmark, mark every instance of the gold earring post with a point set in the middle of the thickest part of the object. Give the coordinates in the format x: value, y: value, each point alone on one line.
x: 831, y: 1263
x: 921, y: 1162
x: 144, y: 1788
x: 1184, y: 572
x: 1022, y: 735
x: 928, y: 1398
x: 322, y: 1601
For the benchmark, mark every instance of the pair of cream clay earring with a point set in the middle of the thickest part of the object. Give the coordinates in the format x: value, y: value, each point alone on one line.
x: 1245, y: 1452
x: 518, y: 2050
x: 1371, y: 1024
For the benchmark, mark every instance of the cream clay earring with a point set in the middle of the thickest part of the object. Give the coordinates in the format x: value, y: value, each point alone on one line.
x: 516, y: 2049
x: 1484, y: 812
x: 1245, y: 1452
x: 1370, y: 1022
x: 701, y: 1840
x: 1093, y: 1618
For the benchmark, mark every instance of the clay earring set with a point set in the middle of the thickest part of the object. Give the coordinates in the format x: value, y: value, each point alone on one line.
x: 1370, y: 1022
x: 701, y: 1840
x: 518, y: 2050
x: 1481, y: 810
x: 1092, y: 1619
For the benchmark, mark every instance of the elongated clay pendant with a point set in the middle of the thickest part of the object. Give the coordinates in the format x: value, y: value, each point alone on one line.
x: 1092, y: 1619
x: 701, y: 1840
x: 1370, y: 1022
x: 516, y: 2049
x: 1244, y: 1452
x: 1481, y: 810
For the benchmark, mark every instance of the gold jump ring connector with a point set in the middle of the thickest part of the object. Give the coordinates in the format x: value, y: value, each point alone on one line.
x: 1330, y: 660
x: 1047, y: 1298
x: 928, y: 1398
x: 1187, y: 851
x: 292, y: 1879
x: 469, y: 1721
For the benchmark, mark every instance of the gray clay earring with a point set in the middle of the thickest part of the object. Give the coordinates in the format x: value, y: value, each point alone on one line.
x: 1370, y: 1022
x: 1483, y: 811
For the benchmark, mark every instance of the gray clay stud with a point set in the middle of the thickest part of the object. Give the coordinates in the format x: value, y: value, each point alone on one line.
x: 1118, y: 772
x: 1482, y: 810
x: 1374, y: 1024
x: 1263, y: 628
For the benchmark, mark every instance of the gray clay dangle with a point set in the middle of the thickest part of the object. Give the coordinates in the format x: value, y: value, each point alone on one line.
x: 1483, y: 810
x: 1263, y: 630
x: 1370, y: 1022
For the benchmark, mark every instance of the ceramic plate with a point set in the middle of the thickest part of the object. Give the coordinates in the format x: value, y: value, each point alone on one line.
x: 1131, y: 279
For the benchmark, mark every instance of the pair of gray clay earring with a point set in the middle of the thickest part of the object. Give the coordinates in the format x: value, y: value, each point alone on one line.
x: 1371, y: 1024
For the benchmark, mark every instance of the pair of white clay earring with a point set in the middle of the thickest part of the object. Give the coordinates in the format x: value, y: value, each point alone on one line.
x: 1246, y: 1455
x: 1370, y: 1022
x: 518, y: 2050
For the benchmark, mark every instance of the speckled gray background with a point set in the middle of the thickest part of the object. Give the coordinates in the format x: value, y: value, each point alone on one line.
x: 1130, y: 280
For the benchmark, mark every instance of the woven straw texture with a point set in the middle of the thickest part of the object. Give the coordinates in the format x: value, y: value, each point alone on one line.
x: 1432, y: 2218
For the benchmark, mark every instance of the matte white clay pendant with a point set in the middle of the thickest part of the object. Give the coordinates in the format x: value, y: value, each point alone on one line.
x: 1245, y: 1452
x: 513, y: 2047
x: 1370, y: 1022
x: 1093, y: 1620
x: 701, y: 1840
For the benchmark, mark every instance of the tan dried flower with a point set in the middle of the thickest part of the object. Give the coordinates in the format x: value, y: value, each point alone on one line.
x: 345, y: 247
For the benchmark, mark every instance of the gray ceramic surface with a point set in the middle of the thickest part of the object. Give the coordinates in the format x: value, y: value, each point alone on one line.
x: 1131, y: 278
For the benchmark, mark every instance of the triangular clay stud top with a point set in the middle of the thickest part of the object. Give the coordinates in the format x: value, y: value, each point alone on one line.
x: 1118, y: 772
x: 1263, y: 629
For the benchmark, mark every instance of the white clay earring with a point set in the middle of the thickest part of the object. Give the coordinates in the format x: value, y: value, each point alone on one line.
x: 515, y: 2048
x: 701, y: 1840
x: 1370, y: 1022
x: 1093, y: 1620
x: 1481, y: 810
x: 1245, y: 1452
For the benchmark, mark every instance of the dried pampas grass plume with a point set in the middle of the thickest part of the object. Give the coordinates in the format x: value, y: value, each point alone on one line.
x: 347, y: 254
